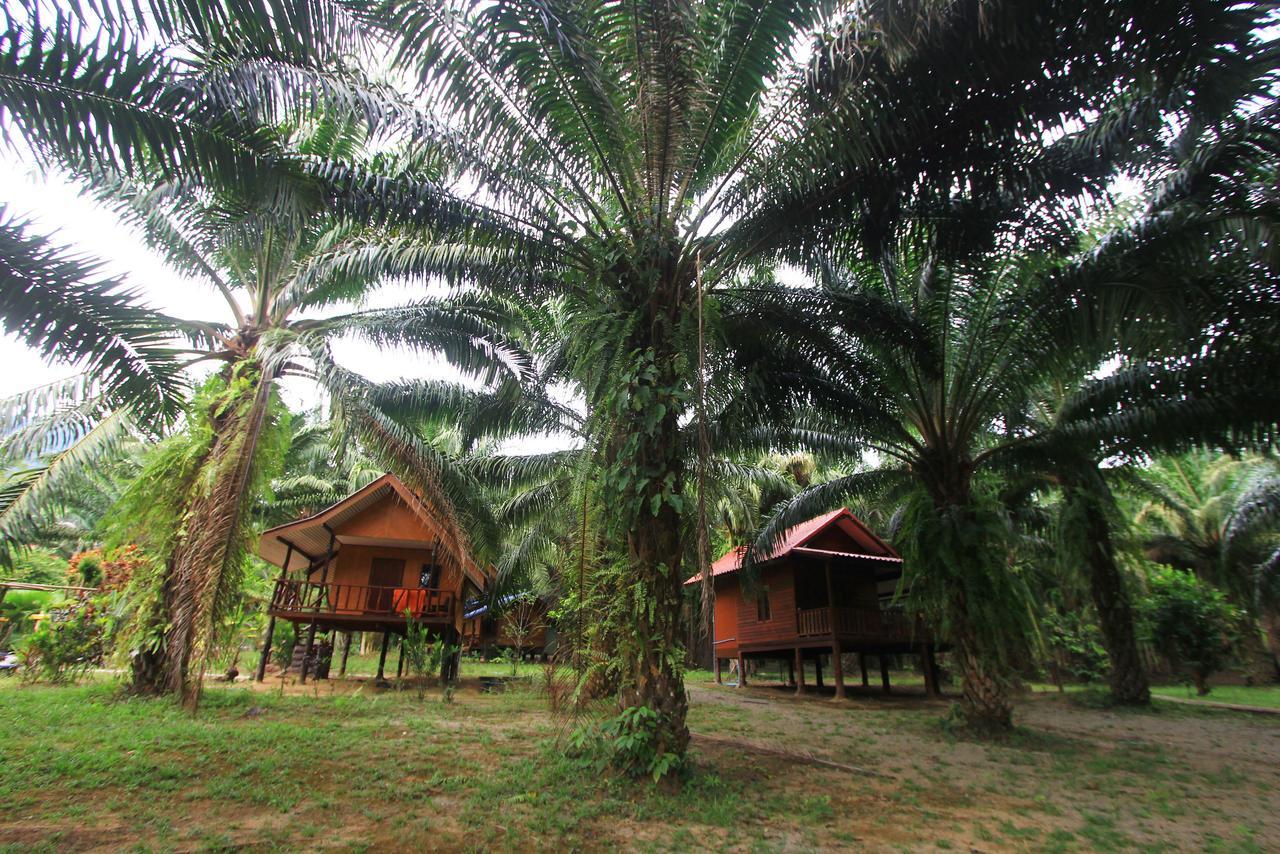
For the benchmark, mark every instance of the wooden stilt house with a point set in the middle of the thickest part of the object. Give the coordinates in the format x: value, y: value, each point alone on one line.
x: 370, y: 563
x: 826, y: 591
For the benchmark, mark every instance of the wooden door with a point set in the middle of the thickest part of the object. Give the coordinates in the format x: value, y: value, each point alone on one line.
x: 386, y: 573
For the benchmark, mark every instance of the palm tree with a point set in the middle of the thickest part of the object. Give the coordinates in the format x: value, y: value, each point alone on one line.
x: 935, y: 364
x: 1204, y: 513
x: 272, y: 263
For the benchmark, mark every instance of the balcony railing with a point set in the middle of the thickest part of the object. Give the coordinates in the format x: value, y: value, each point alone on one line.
x: 361, y: 600
x: 859, y: 622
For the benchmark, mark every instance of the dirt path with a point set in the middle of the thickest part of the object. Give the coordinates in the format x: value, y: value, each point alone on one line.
x: 1070, y: 778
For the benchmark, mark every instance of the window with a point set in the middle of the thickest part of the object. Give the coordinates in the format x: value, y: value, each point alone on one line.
x: 430, y: 575
x: 763, y: 614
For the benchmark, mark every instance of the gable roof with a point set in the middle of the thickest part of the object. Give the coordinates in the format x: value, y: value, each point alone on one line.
x: 798, y: 539
x: 310, y: 536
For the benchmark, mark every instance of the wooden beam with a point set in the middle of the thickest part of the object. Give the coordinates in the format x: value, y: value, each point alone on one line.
x: 306, y: 659
x: 29, y: 585
x: 266, y: 650
x: 884, y: 672
x: 817, y: 670
x: 716, y: 667
x: 799, y: 671
x: 400, y: 662
x: 791, y: 673
x: 310, y: 558
x: 837, y: 667
x: 862, y: 664
x: 382, y: 659
x: 346, y: 650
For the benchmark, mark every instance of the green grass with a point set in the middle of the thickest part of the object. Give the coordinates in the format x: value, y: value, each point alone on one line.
x: 345, y: 765
x: 1245, y: 695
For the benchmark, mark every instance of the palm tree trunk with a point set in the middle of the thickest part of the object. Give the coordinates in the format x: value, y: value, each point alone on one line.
x: 1106, y: 585
x: 984, y: 689
x: 199, y: 573
x: 650, y: 453
x: 206, y: 559
x: 1271, y: 624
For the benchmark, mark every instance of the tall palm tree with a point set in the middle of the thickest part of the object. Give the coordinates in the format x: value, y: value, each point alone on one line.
x: 273, y: 263
x: 933, y: 364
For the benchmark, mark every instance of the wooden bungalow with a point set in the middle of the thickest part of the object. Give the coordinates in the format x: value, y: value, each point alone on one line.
x: 369, y: 563
x: 828, y: 589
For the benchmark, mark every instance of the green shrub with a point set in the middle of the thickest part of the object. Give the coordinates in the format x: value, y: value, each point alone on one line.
x: 1189, y: 621
x: 628, y: 742
x: 1075, y: 644
x: 65, y: 648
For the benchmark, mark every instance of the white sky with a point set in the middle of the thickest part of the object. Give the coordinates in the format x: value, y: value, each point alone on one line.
x: 53, y: 205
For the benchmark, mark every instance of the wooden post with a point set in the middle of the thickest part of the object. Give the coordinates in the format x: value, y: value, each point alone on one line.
x: 382, y: 659
x: 799, y: 671
x: 716, y: 667
x: 311, y: 646
x: 817, y: 670
x: 266, y: 650
x: 791, y: 673
x: 346, y: 650
x: 324, y: 573
x: 400, y: 661
x: 837, y: 668
x: 862, y: 664
x: 742, y: 672
x: 930, y: 673
x: 455, y: 660
x: 884, y: 672
x: 271, y: 620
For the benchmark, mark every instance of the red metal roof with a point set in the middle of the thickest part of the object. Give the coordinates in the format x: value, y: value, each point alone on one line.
x: 798, y: 536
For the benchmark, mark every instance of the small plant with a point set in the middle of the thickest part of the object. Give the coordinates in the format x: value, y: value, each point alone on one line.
x: 422, y: 655
x: 521, y: 618
x: 628, y: 742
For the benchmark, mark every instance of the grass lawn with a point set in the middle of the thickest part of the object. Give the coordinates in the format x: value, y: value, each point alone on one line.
x: 340, y: 764
x: 1261, y: 695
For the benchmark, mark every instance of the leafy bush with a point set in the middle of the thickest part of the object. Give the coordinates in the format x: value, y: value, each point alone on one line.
x: 1075, y: 643
x: 628, y: 742
x: 19, y: 605
x: 1189, y: 621
x: 65, y: 648
x: 286, y: 636
x: 85, y: 569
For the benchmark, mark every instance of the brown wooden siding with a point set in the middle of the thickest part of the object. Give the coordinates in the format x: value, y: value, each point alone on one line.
x: 782, y: 607
x: 728, y: 594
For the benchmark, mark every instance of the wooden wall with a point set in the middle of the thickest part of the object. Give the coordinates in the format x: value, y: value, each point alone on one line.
x: 728, y: 596
x: 782, y: 606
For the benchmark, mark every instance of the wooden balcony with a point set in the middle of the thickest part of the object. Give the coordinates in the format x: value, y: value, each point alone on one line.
x: 360, y: 603
x: 859, y: 623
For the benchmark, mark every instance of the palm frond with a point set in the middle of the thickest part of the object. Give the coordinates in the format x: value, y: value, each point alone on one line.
x: 57, y: 302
